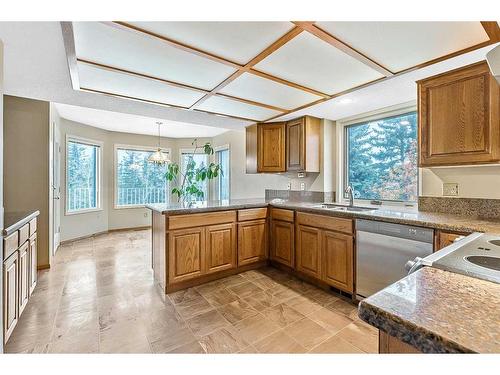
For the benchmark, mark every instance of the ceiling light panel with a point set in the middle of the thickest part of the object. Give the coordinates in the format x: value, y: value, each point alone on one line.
x: 108, y: 45
x: 95, y: 78
x: 401, y: 45
x: 236, y: 41
x: 311, y: 62
x: 258, y: 89
x: 231, y: 107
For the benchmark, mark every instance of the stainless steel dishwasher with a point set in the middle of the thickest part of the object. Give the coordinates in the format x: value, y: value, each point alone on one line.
x: 382, y: 250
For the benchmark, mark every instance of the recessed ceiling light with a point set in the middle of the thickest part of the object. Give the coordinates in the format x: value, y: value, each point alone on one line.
x: 345, y: 101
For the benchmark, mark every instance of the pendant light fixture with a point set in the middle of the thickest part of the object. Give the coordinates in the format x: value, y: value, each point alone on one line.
x: 158, y: 157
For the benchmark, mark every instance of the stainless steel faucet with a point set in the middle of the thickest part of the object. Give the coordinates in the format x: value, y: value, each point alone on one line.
x: 350, y: 193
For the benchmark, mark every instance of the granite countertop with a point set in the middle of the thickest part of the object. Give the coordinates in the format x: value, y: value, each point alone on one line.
x: 409, y: 216
x: 14, y: 220
x: 438, y: 311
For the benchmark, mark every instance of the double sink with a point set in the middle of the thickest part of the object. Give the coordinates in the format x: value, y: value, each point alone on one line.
x: 344, y: 208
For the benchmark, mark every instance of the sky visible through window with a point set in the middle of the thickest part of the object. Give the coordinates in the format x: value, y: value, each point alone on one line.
x: 381, y: 158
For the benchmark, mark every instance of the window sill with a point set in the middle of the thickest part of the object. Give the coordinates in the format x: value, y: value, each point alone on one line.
x: 85, y: 211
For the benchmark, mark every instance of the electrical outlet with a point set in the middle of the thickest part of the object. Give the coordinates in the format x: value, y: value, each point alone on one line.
x: 289, y: 185
x: 302, y: 186
x: 145, y: 214
x: 450, y: 189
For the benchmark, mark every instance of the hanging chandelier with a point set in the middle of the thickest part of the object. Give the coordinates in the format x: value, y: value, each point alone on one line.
x: 159, y: 157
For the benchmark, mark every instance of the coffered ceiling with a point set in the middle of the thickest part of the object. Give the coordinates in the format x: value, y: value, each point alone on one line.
x: 255, y: 71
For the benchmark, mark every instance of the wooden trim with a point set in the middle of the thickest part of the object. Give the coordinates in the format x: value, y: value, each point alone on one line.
x: 252, y: 214
x: 282, y: 214
x: 225, y: 115
x: 492, y: 29
x: 248, y: 101
x: 313, y: 29
x: 69, y: 46
x: 201, y: 219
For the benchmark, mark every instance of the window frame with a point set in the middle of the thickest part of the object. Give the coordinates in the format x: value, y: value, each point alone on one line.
x: 189, y: 150
x: 99, y: 182
x: 341, y: 134
x: 216, y: 191
x: 116, y: 147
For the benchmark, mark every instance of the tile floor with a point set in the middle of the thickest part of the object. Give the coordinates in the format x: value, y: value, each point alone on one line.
x: 99, y: 297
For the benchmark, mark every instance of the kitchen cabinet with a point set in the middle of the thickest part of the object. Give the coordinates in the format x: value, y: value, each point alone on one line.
x: 24, y: 272
x: 10, y: 294
x: 220, y: 247
x: 271, y: 147
x: 308, y: 251
x: 388, y: 344
x: 186, y: 254
x: 283, y: 242
x: 303, y: 144
x: 252, y: 241
x: 458, y: 114
x: 33, y: 259
x: 338, y: 258
x: 445, y: 238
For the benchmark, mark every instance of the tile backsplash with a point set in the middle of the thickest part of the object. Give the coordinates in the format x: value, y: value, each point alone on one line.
x: 301, y: 195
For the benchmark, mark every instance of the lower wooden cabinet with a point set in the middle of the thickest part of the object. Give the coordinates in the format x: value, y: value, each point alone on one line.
x: 24, y: 274
x: 186, y: 256
x: 283, y: 242
x: 308, y: 251
x: 444, y: 238
x: 252, y: 241
x: 10, y: 294
x: 220, y: 247
x: 390, y: 345
x: 337, y: 259
x: 33, y: 263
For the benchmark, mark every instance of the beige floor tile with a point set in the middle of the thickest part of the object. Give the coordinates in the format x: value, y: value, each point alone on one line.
x: 220, y: 297
x: 193, y: 347
x: 361, y: 336
x: 124, y: 337
x: 262, y: 300
x: 255, y: 328
x: 244, y: 289
x: 303, y: 305
x: 173, y: 341
x: 342, y: 306
x: 307, y: 333
x: 335, y: 345
x: 250, y: 349
x: 323, y: 297
x: 282, y: 314
x: 253, y: 275
x: 236, y: 311
x: 233, y: 280
x: 331, y: 320
x: 210, y: 287
x: 184, y: 295
x: 265, y: 283
x: 279, y: 342
x: 225, y: 340
x: 190, y: 308
x: 206, y: 323
x: 160, y: 323
x: 82, y: 342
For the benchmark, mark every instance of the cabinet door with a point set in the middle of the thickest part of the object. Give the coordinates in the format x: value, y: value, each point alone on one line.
x: 186, y: 254
x: 220, y: 247
x: 24, y: 275
x: 458, y: 117
x: 309, y: 250
x: 282, y: 243
x: 447, y: 238
x: 10, y: 294
x: 295, y: 145
x: 33, y: 263
x: 271, y: 147
x: 252, y: 241
x: 337, y: 260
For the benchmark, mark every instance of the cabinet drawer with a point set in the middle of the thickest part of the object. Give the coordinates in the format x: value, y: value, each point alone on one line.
x: 252, y: 214
x: 326, y: 222
x: 24, y: 234
x: 201, y: 219
x: 10, y: 244
x: 281, y: 214
x: 32, y: 224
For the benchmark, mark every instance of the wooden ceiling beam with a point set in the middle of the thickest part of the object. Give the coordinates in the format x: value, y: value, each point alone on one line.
x: 313, y: 29
x: 492, y: 29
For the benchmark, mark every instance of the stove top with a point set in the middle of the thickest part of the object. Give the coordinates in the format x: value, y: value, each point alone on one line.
x: 477, y: 255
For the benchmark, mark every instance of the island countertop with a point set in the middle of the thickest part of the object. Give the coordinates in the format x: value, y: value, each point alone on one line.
x: 438, y: 311
x: 408, y: 216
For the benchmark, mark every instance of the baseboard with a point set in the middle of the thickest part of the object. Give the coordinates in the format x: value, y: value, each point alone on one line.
x: 65, y: 242
x: 43, y: 267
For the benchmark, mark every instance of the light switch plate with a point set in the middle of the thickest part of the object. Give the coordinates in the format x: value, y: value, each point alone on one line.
x: 450, y: 189
x: 289, y: 185
x: 302, y: 186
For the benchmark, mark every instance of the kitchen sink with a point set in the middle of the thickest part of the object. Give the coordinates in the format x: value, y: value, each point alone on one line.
x: 344, y: 208
x: 493, y: 263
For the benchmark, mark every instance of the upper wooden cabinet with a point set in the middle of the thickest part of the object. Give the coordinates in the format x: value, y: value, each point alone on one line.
x: 271, y: 147
x: 284, y: 146
x: 302, y: 144
x: 459, y: 117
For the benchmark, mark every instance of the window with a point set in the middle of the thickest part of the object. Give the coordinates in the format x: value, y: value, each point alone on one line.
x: 138, y: 181
x: 199, y: 159
x: 381, y: 158
x: 82, y: 175
x: 222, y: 188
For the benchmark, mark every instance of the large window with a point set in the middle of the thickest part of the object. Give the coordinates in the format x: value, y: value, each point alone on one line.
x: 222, y: 187
x: 381, y: 158
x: 199, y: 159
x: 138, y: 181
x: 82, y: 175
